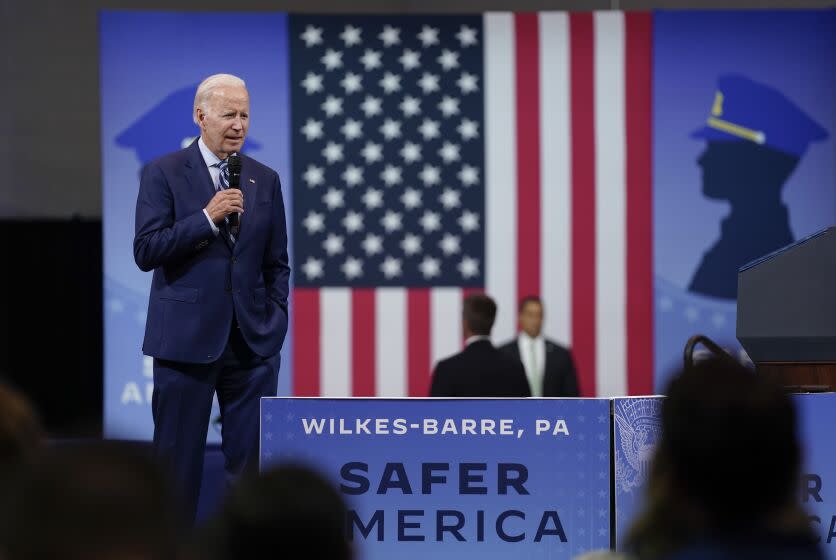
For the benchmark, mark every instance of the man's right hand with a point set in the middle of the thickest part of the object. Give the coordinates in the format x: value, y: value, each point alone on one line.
x: 224, y: 203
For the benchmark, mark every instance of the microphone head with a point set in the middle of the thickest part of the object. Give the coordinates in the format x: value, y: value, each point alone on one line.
x: 234, y: 163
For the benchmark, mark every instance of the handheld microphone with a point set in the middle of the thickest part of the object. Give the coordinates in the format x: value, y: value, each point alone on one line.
x: 234, y: 166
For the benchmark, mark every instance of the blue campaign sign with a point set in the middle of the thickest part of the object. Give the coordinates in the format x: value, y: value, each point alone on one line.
x: 453, y: 479
x: 637, y: 428
x: 817, y: 415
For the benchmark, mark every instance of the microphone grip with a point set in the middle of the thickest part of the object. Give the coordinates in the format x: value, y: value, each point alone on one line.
x: 234, y: 183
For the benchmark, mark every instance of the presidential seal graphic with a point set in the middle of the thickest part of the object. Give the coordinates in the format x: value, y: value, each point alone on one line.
x: 638, y: 427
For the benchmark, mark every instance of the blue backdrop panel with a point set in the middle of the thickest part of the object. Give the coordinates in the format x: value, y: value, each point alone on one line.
x: 637, y: 429
x: 790, y: 53
x: 151, y: 64
x: 565, y: 474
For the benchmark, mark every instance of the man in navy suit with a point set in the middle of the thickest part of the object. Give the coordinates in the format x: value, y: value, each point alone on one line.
x: 217, y: 312
x: 549, y: 366
x: 480, y: 370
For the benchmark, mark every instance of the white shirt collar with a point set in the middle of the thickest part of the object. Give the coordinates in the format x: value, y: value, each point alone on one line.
x: 476, y: 338
x: 208, y: 156
x: 524, y: 336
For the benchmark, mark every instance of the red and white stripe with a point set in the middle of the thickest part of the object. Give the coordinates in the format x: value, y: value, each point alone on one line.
x: 569, y: 215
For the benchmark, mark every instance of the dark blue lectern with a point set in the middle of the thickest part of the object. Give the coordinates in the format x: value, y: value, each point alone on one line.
x: 786, y: 313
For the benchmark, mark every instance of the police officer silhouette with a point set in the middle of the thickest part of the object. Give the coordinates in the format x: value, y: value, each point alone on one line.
x: 755, y: 138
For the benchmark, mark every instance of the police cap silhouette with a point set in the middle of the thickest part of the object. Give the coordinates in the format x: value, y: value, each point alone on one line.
x: 747, y: 110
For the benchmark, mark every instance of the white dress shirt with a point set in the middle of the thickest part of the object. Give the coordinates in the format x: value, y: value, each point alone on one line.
x: 214, y: 171
x: 533, y: 356
x: 476, y: 338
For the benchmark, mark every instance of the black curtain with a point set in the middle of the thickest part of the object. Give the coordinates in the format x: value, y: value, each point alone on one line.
x: 51, y: 321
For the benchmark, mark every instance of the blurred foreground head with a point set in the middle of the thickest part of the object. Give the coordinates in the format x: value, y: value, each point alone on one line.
x: 21, y: 436
x: 290, y: 507
x: 728, y: 462
x: 101, y: 501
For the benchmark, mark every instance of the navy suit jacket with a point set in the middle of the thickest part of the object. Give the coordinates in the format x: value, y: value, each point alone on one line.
x: 480, y: 370
x: 560, y: 378
x: 199, y: 280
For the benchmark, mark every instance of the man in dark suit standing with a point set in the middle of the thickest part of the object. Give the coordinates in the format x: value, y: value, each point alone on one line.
x: 480, y: 370
x: 217, y: 311
x: 548, y: 366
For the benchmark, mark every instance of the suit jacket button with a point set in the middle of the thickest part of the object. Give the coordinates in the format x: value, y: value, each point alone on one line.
x: 234, y: 260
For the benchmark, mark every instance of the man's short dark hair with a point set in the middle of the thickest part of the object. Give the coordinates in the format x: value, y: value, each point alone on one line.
x: 529, y: 299
x: 479, y: 312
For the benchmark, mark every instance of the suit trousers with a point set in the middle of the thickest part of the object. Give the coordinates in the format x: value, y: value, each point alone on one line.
x: 182, y: 403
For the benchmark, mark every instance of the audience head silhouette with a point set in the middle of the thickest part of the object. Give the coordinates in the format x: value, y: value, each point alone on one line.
x: 21, y: 436
x: 291, y: 505
x: 102, y: 502
x: 726, y: 469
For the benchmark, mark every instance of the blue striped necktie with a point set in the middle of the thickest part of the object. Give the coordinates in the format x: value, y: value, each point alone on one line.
x: 223, y: 184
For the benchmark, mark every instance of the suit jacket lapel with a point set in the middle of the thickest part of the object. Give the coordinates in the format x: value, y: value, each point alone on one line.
x: 548, y: 381
x: 197, y: 174
x: 249, y: 190
x: 516, y: 348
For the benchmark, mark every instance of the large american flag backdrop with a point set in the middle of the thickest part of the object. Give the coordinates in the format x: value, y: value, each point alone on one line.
x: 439, y: 156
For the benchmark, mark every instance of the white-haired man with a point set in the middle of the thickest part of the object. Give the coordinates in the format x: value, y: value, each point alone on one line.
x: 217, y: 312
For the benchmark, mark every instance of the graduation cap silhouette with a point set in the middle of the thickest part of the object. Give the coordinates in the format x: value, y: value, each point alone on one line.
x: 166, y: 127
